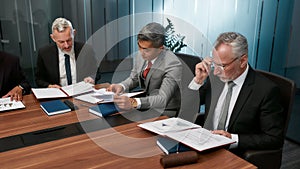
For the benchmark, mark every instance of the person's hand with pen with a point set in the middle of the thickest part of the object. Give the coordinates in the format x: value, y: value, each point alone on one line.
x: 123, y: 102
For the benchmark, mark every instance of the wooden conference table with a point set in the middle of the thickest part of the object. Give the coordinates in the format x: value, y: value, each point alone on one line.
x: 31, y: 139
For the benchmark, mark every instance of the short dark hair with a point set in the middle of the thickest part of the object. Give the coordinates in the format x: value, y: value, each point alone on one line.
x: 153, y: 32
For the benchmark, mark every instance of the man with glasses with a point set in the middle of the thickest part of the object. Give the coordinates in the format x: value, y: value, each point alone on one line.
x: 156, y: 70
x: 240, y: 103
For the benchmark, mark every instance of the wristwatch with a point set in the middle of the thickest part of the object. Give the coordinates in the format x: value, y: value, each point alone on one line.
x: 133, y: 102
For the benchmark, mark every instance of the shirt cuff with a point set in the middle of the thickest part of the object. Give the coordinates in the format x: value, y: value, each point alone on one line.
x: 139, y: 103
x: 234, y: 137
x: 124, y: 88
x: 194, y: 86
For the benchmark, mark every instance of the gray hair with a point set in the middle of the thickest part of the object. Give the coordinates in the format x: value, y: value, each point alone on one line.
x: 60, y: 24
x: 237, y: 41
x: 153, y: 32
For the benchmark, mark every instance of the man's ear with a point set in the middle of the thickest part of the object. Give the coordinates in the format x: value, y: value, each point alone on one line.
x: 244, y: 61
x: 74, y: 32
x: 52, y: 37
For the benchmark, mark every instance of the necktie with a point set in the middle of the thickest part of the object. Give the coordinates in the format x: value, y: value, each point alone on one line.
x: 224, y: 113
x: 68, y: 69
x: 146, y: 71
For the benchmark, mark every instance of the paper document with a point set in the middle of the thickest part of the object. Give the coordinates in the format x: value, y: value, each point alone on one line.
x: 187, y: 133
x: 102, y: 96
x: 78, y: 88
x: 6, y: 104
x: 199, y: 138
x: 173, y: 124
x: 66, y: 91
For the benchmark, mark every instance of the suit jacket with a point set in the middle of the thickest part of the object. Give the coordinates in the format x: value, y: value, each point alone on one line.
x: 257, y: 116
x: 162, y: 82
x: 47, y: 70
x: 11, y: 74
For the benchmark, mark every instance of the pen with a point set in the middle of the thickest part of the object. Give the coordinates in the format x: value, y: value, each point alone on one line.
x: 177, y: 149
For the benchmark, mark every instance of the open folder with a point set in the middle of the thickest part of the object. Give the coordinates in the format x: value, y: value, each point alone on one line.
x: 187, y: 133
x: 66, y: 91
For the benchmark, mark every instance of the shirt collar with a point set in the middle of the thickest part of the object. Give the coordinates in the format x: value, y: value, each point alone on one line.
x: 61, y: 53
x: 240, y: 80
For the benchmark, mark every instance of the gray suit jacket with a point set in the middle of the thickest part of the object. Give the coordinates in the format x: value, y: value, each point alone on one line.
x: 162, y: 82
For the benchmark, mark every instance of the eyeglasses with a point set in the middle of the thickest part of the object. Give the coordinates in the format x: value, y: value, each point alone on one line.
x: 223, y: 66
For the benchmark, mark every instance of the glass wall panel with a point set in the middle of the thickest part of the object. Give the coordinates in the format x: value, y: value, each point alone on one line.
x: 25, y: 26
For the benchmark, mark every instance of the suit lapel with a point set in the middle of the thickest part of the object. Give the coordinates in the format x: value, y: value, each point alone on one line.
x: 54, y: 54
x: 244, y: 94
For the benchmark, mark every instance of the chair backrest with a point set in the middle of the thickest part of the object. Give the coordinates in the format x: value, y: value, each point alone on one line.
x: 287, y: 92
x: 190, y: 99
x: 189, y: 60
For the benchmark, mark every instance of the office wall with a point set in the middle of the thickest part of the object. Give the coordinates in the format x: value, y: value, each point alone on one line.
x: 273, y: 40
x: 293, y: 59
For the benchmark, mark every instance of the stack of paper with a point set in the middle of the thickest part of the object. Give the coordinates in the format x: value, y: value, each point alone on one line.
x: 188, y: 133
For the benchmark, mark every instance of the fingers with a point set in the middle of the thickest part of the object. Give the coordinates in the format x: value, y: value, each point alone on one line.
x: 115, y: 88
x: 89, y: 80
x: 204, y: 66
x: 54, y: 86
x: 122, y: 102
x: 222, y: 132
x: 202, y: 70
x: 14, y: 94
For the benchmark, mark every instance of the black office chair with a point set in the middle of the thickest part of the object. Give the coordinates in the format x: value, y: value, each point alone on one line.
x: 190, y: 99
x: 271, y: 159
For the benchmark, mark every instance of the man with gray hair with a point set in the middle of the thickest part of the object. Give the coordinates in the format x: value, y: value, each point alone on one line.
x: 240, y: 103
x: 59, y: 65
x: 156, y: 70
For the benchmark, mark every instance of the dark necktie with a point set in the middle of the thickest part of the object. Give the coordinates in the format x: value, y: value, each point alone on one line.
x: 225, y: 107
x: 146, y: 71
x: 68, y: 69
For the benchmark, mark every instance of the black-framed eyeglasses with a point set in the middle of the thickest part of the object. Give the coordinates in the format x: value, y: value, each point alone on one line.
x: 223, y: 66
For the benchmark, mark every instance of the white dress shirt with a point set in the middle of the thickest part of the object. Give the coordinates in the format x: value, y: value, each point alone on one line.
x: 62, y: 69
x: 235, y: 92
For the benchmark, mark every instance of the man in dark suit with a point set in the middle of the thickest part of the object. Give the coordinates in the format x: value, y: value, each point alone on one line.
x: 12, y: 80
x: 51, y: 69
x: 156, y: 70
x: 253, y: 116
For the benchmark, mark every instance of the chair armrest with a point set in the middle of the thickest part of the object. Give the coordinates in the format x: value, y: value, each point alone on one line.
x: 264, y: 158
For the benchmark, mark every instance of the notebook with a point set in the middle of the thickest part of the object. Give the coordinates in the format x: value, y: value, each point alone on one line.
x: 104, y: 109
x: 169, y: 146
x: 54, y: 107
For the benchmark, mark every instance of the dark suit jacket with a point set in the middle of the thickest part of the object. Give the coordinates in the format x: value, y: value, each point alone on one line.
x: 47, y: 70
x: 257, y: 116
x: 11, y: 74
